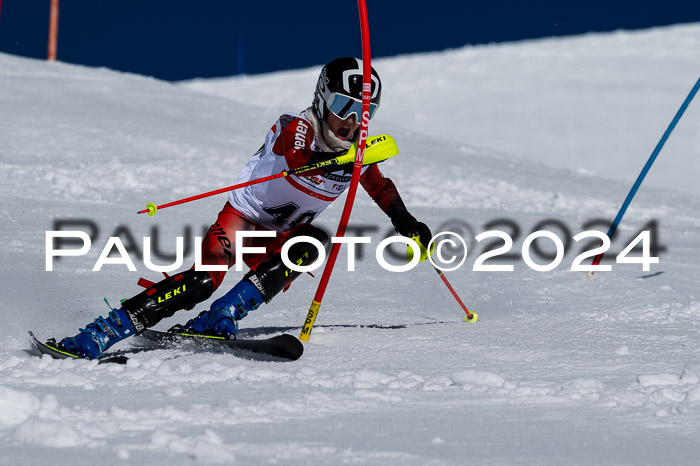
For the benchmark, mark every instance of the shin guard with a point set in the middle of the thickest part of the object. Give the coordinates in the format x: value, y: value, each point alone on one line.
x: 166, y: 297
x: 271, y: 276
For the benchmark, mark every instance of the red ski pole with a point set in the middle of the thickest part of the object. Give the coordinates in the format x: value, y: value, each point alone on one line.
x: 471, y: 316
x: 379, y: 148
x: 426, y: 254
x: 151, y: 208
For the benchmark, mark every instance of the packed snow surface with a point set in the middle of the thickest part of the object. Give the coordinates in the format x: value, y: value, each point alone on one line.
x: 539, y: 135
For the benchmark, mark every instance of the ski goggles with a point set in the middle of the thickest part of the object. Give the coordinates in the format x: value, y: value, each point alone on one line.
x: 343, y: 106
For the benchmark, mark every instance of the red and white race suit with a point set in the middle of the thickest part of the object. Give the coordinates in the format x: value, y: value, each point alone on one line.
x: 286, y: 202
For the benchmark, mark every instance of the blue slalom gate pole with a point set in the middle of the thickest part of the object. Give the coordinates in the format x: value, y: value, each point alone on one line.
x: 648, y: 165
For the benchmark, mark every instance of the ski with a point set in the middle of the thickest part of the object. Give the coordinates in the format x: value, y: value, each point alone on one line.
x: 283, y: 347
x: 55, y: 352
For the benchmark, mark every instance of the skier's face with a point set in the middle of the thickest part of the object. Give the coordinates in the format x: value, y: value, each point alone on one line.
x: 343, y: 129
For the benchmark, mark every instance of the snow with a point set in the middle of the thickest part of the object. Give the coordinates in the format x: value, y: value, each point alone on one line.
x: 596, y: 104
x: 558, y: 369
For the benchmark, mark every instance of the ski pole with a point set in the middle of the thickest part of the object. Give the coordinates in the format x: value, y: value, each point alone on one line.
x: 470, y: 316
x: 426, y: 254
x: 383, y: 147
x: 151, y: 208
x: 645, y: 170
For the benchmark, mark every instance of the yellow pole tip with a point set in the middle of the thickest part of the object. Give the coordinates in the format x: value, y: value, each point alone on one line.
x: 474, y: 318
x: 152, y: 209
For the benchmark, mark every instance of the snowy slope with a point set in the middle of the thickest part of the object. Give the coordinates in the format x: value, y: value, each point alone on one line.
x: 598, y: 102
x: 558, y: 370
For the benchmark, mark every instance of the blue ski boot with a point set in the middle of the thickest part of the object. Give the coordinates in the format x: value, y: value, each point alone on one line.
x: 99, y: 335
x: 221, y: 319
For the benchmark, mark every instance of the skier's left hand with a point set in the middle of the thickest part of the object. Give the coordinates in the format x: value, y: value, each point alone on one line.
x: 407, y: 225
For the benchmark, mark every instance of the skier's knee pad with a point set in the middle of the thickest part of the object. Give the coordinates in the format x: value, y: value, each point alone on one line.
x: 271, y: 276
x: 166, y: 297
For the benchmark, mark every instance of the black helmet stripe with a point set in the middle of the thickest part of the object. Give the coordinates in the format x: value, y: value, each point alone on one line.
x: 344, y: 76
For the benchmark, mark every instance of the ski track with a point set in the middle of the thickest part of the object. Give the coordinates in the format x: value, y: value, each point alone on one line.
x: 558, y: 370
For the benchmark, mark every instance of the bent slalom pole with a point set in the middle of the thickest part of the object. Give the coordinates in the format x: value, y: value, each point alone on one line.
x: 357, y: 168
x: 645, y: 170
x: 379, y: 148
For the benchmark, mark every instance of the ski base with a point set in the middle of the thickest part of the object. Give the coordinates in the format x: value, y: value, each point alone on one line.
x: 283, y: 347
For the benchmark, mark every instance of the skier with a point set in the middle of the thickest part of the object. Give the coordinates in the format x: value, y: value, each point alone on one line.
x: 287, y: 206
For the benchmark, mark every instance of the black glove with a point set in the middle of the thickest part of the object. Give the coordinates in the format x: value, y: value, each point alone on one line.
x: 407, y: 225
x: 346, y: 167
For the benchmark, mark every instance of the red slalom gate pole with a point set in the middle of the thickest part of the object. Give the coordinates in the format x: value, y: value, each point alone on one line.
x: 53, y: 31
x: 364, y: 125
